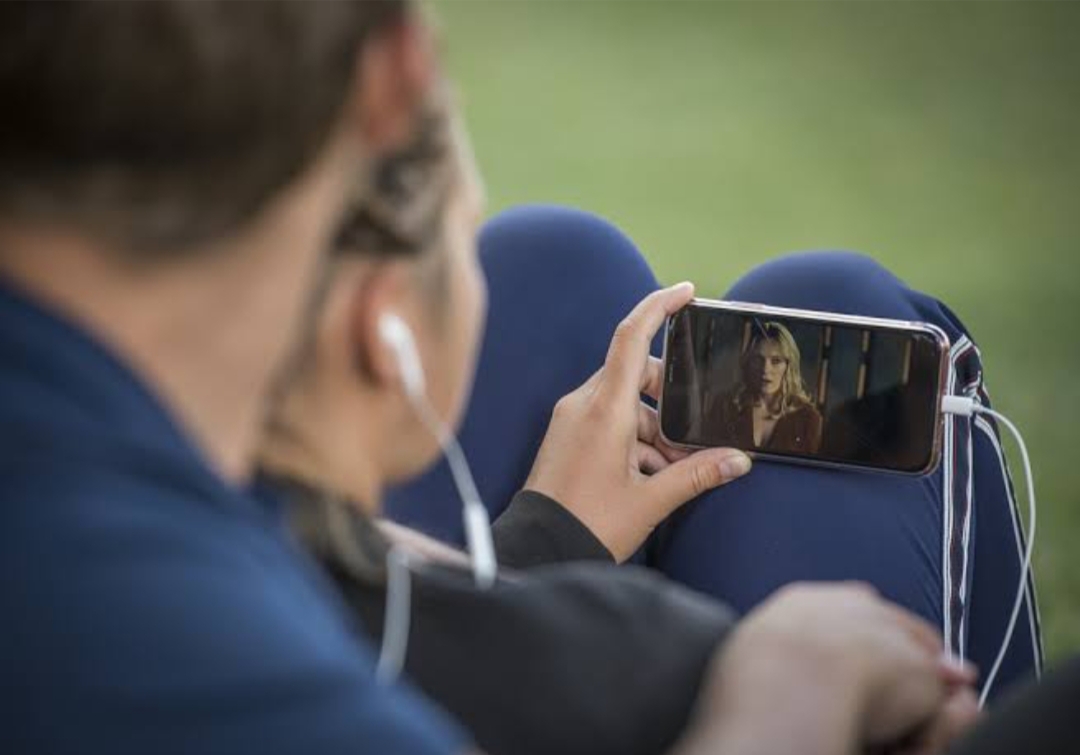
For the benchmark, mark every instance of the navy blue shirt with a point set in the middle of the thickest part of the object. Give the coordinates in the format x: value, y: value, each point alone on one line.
x: 146, y: 606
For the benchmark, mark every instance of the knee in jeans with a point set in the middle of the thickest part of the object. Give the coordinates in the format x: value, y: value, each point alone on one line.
x: 571, y: 243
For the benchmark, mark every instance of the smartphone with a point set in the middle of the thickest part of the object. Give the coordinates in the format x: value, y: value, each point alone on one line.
x: 807, y: 387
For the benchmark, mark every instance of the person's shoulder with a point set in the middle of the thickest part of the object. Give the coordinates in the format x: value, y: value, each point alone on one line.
x: 119, y: 590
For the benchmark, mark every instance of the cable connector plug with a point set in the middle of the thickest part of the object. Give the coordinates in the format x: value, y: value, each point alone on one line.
x: 962, y: 406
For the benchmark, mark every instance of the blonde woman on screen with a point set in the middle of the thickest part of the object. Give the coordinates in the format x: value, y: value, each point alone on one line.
x: 770, y: 409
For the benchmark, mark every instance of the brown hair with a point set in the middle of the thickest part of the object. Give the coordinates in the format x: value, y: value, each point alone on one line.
x: 161, y: 125
x: 399, y: 211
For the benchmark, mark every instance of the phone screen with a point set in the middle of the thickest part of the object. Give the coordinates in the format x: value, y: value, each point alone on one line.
x: 805, y: 388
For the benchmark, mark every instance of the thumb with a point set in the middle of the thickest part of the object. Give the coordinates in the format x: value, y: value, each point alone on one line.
x: 696, y: 474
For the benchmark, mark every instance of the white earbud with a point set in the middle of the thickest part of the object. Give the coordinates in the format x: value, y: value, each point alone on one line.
x: 397, y: 335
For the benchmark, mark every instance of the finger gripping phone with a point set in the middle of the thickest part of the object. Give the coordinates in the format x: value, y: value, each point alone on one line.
x: 806, y: 387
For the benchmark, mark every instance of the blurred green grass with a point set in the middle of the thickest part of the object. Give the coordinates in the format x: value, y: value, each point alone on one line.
x: 940, y: 137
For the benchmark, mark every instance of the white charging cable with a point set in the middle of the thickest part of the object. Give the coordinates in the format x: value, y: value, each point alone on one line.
x: 966, y: 407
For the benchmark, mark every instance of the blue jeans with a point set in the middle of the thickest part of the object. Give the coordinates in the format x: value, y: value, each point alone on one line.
x: 946, y: 546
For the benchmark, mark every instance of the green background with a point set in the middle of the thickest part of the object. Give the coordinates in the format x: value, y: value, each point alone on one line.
x: 939, y: 137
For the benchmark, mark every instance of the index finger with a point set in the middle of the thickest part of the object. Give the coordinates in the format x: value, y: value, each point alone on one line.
x: 628, y: 354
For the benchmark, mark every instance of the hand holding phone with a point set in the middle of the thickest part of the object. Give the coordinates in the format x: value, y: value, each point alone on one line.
x: 593, y: 459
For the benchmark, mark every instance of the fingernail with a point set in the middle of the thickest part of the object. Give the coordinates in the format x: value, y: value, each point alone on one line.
x: 734, y: 466
x: 683, y: 285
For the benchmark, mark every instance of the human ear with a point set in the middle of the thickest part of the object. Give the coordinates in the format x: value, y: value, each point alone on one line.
x: 395, y: 70
x: 384, y: 351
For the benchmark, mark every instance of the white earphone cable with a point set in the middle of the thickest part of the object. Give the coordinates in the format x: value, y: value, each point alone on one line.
x: 477, y: 523
x: 396, y: 619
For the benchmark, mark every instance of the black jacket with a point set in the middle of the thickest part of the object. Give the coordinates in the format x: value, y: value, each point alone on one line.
x: 562, y: 658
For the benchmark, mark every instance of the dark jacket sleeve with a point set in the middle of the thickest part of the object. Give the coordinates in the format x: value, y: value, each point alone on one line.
x: 536, y: 530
